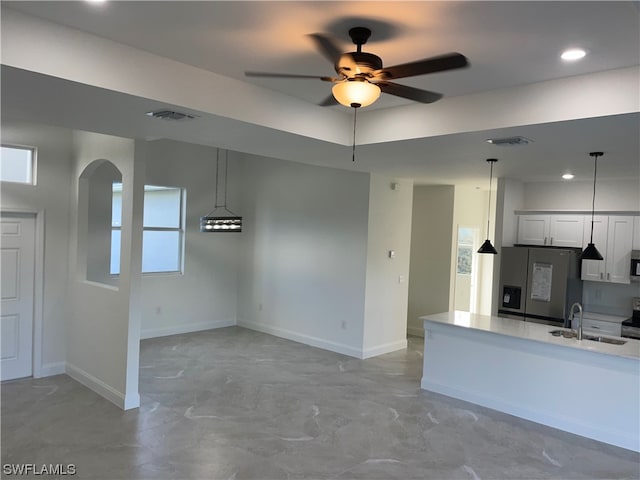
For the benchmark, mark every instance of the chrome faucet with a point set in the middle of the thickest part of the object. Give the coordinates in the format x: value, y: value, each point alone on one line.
x: 571, y: 315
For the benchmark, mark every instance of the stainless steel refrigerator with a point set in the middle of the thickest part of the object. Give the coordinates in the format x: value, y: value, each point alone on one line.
x: 539, y: 284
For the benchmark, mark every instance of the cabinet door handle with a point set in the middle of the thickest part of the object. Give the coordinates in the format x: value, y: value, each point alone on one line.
x: 551, y: 242
x: 601, y: 275
x: 594, y: 327
x: 608, y: 276
x: 545, y: 241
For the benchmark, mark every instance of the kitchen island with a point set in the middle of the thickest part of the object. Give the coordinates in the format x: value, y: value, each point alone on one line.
x: 583, y: 387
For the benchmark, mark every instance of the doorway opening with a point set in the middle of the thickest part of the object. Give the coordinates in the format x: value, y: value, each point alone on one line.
x: 466, y: 279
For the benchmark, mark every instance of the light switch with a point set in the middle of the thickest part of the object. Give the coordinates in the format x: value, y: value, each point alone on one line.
x: 392, y: 254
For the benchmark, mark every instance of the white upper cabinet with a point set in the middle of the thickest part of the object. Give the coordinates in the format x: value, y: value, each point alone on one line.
x: 566, y: 230
x: 533, y: 229
x: 551, y: 230
x: 613, y: 237
x: 636, y: 233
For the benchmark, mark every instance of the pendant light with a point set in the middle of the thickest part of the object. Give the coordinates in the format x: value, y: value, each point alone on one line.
x: 591, y: 252
x: 486, y: 246
x: 221, y: 219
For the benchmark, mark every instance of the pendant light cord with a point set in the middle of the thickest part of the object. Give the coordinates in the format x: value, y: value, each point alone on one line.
x: 593, y: 200
x: 226, y: 168
x: 490, y: 182
x: 217, y: 177
x: 353, y: 147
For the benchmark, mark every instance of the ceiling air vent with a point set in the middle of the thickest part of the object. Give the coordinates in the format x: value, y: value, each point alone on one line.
x: 509, y: 141
x: 170, y: 115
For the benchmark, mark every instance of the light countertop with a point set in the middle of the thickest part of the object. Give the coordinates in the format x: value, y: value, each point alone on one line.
x: 532, y: 331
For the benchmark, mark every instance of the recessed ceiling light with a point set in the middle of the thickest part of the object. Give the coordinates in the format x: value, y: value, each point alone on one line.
x: 509, y: 141
x: 573, y: 54
x: 568, y: 176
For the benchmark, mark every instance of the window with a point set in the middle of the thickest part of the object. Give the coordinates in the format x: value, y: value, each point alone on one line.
x: 17, y: 164
x: 465, y: 251
x: 163, y: 232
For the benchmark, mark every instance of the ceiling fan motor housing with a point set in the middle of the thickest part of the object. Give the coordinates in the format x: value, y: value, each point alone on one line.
x: 365, y: 63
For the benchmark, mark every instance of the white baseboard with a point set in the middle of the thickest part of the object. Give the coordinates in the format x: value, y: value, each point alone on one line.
x: 50, y: 369
x: 301, y: 338
x: 385, y: 348
x: 119, y: 399
x: 416, y: 331
x: 185, y: 328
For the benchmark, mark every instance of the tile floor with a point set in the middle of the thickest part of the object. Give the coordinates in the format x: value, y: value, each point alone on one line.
x: 236, y: 404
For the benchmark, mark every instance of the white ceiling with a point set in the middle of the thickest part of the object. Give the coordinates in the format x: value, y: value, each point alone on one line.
x: 508, y: 44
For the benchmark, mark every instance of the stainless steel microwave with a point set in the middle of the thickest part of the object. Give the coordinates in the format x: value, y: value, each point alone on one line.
x: 635, y: 265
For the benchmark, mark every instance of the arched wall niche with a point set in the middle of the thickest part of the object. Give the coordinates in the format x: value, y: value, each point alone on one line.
x: 95, y: 213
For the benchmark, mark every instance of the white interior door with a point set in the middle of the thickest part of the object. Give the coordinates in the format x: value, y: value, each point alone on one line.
x: 17, y: 263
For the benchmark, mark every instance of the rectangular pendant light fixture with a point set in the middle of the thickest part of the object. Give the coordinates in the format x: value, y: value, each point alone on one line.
x: 221, y: 219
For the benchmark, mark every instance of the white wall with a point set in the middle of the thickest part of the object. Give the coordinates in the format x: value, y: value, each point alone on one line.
x: 610, y: 195
x: 510, y: 197
x: 205, y: 295
x: 51, y: 195
x: 431, y: 245
x: 103, y: 327
x: 304, y: 253
x: 386, y: 298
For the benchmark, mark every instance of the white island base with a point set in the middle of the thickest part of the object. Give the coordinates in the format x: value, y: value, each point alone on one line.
x: 582, y: 387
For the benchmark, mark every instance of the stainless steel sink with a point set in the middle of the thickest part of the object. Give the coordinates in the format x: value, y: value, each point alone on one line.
x: 593, y: 338
x: 563, y: 333
x: 612, y: 341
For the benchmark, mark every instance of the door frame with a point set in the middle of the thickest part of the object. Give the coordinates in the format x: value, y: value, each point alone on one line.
x: 38, y: 285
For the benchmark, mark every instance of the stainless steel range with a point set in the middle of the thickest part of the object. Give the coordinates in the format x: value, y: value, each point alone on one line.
x: 631, y: 327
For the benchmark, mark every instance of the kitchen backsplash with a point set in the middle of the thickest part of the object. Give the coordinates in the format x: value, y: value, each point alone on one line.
x: 609, y: 298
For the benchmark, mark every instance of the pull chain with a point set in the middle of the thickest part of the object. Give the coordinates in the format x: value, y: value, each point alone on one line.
x: 353, y: 148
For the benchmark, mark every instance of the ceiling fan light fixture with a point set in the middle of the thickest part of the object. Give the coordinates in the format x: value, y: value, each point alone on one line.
x: 356, y: 92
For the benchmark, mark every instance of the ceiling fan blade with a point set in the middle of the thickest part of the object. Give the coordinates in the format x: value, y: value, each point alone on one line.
x: 422, y: 96
x: 441, y: 63
x: 288, y: 75
x: 327, y: 47
x: 329, y: 101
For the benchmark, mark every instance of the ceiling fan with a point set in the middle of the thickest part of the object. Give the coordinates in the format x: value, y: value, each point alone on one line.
x: 362, y: 77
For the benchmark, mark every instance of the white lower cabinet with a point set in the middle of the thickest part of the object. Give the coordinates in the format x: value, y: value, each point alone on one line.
x: 600, y: 324
x: 601, y: 328
x: 613, y: 237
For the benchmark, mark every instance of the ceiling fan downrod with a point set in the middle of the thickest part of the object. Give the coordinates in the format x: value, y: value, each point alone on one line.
x: 359, y: 36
